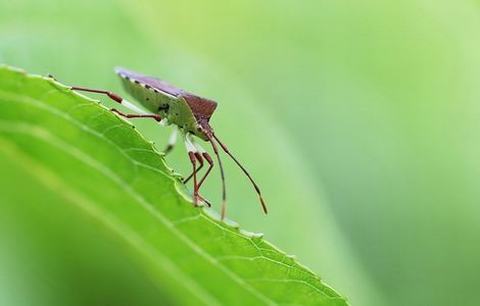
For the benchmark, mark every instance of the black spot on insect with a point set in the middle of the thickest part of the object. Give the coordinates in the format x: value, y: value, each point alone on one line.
x: 147, y: 86
x: 136, y: 82
x: 148, y: 99
x: 164, y: 107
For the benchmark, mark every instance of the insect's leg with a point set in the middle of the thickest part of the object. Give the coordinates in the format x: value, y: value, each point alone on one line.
x: 194, y: 164
x: 193, y: 159
x: 172, y: 140
x: 130, y: 116
x: 122, y: 101
x: 210, y: 166
x: 204, y: 200
x: 201, y: 151
x: 198, y: 154
x: 199, y: 158
x: 51, y: 77
x: 110, y: 94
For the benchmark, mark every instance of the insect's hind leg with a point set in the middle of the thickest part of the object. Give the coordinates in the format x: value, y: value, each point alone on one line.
x: 109, y: 94
x: 139, y: 113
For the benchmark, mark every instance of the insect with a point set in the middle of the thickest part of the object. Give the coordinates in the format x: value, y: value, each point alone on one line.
x: 188, y: 113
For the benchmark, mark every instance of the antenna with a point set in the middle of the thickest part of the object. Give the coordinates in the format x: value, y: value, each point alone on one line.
x: 262, y: 202
x: 222, y: 174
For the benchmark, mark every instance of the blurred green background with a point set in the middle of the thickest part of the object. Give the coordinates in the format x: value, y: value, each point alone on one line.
x: 359, y: 119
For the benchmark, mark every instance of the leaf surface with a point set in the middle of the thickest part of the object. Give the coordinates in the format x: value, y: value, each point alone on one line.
x: 100, y: 165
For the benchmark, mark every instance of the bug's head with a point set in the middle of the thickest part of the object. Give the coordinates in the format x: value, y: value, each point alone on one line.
x: 204, y: 129
x: 203, y: 110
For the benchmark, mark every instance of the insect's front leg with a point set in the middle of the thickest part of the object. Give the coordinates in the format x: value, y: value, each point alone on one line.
x: 197, y: 153
x: 192, y: 154
x: 172, y: 140
x: 199, y: 158
x: 210, y: 166
x: 201, y: 155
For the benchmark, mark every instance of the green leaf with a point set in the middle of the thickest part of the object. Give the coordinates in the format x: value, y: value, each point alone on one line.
x: 103, y: 168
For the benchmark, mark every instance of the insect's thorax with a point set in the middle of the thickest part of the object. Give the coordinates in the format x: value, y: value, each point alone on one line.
x: 175, y: 109
x: 181, y: 115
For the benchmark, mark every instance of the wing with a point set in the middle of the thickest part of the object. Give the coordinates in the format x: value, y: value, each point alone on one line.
x: 201, y: 108
x: 148, y: 81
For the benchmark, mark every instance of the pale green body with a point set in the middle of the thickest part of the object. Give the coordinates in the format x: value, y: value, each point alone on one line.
x: 174, y: 109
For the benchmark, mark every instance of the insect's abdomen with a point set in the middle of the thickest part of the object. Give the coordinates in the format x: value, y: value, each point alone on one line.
x: 153, y: 101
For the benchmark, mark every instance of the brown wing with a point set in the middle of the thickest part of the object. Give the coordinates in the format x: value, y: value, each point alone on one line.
x: 150, y: 81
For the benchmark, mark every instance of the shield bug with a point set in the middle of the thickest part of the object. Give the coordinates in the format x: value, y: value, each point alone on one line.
x: 188, y: 113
